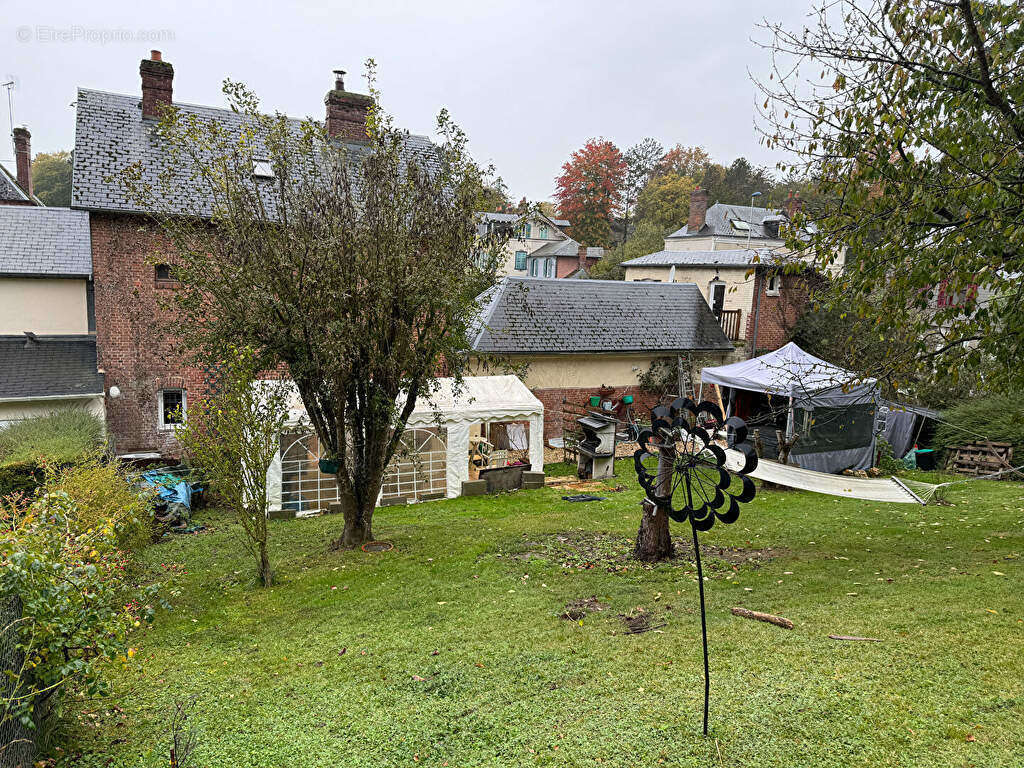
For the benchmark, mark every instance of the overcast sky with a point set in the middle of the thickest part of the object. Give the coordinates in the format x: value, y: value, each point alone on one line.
x: 528, y: 81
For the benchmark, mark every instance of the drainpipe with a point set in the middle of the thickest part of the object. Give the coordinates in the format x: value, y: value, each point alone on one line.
x: 757, y: 315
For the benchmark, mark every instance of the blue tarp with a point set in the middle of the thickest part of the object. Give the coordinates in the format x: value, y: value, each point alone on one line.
x: 170, y: 487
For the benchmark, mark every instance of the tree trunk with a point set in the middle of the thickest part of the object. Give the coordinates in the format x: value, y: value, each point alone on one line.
x: 265, y: 573
x: 654, y: 539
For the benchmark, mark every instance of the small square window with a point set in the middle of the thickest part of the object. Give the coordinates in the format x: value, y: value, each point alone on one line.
x: 262, y: 168
x: 163, y: 272
x: 171, y: 404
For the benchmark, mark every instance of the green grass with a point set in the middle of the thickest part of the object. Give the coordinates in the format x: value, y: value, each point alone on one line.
x: 64, y: 435
x: 506, y: 681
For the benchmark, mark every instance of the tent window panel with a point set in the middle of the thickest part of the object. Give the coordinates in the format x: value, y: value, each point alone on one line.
x: 834, y: 429
x: 421, y: 469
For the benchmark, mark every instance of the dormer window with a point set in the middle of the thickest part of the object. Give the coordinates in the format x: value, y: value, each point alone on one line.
x: 262, y: 168
x: 740, y: 225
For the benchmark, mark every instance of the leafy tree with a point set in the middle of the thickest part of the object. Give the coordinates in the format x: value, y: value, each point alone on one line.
x: 910, y: 116
x: 665, y: 201
x: 589, y: 190
x: 641, y: 160
x: 684, y: 161
x: 494, y: 197
x: 51, y: 177
x: 233, y: 435
x: 647, y: 238
x: 64, y: 565
x: 355, y: 270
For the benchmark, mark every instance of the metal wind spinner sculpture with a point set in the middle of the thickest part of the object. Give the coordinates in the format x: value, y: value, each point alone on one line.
x: 683, y: 472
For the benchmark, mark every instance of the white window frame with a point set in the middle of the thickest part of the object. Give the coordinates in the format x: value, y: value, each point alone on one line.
x: 160, y: 407
x: 772, y: 285
x: 549, y: 267
x: 533, y: 268
x: 711, y: 293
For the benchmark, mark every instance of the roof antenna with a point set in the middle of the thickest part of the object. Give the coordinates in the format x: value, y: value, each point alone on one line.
x: 9, y: 85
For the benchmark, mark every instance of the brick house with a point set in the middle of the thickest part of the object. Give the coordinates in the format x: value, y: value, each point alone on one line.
x: 131, y: 259
x: 738, y: 258
x: 575, y: 336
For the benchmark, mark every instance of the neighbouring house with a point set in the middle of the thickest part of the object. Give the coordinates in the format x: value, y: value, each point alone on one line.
x: 539, y: 247
x: 738, y: 258
x: 47, y: 340
x: 113, y: 132
x: 16, y: 189
x: 573, y: 336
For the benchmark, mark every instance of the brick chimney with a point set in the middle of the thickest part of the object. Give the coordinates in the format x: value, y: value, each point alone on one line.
x: 581, y: 254
x: 157, y: 80
x: 793, y: 204
x: 346, y: 112
x: 698, y: 208
x: 23, y: 158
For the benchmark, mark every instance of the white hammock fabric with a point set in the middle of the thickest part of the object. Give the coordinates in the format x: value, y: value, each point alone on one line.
x: 884, y: 489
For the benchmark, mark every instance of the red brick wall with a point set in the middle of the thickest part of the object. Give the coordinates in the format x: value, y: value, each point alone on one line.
x: 134, y: 349
x: 778, y: 314
x: 566, y: 265
x: 553, y: 399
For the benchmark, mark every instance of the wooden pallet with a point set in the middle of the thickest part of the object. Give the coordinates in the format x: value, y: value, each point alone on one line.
x: 982, y: 457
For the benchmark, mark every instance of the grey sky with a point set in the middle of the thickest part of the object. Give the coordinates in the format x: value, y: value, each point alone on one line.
x: 529, y: 82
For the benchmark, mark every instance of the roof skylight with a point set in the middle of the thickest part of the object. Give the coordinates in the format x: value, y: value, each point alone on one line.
x: 262, y: 168
x: 741, y: 225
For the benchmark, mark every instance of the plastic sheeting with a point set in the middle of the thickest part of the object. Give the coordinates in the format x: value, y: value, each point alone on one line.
x: 870, y: 489
x: 899, y: 430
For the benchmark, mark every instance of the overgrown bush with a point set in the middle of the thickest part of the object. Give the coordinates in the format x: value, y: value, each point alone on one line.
x: 61, y: 436
x: 63, y: 556
x: 999, y: 418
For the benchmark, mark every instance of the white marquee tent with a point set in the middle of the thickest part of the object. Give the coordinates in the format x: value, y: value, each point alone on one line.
x: 439, y: 427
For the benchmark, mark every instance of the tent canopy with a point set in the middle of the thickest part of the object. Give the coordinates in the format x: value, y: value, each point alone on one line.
x: 791, y: 372
x: 453, y: 407
x: 478, y: 399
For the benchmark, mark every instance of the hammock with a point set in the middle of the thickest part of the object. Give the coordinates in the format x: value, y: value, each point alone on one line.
x: 886, y: 489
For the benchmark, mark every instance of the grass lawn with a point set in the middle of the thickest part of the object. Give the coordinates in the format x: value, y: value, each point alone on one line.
x: 450, y: 649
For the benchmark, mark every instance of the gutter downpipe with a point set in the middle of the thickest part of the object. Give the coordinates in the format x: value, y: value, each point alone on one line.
x: 757, y: 316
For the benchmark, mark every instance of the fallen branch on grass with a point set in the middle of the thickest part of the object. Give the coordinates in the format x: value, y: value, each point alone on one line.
x: 778, y: 621
x: 854, y: 637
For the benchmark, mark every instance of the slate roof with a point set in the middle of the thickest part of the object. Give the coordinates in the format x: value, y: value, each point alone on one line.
x: 522, y: 315
x: 492, y: 216
x: 9, y: 189
x: 110, y: 134
x: 568, y: 247
x: 52, y: 366
x: 45, y: 242
x: 738, y: 258
x: 718, y: 221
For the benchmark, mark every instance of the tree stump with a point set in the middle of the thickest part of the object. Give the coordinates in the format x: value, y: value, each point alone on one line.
x: 654, y: 539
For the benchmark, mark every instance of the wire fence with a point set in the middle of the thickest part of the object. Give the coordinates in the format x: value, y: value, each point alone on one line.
x: 17, y: 746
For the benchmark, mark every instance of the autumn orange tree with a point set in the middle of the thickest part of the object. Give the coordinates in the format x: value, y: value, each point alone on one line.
x: 589, y: 189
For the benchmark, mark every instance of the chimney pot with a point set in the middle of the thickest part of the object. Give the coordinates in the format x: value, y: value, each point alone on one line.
x: 346, y: 112
x: 157, y: 84
x: 698, y: 209
x: 23, y: 158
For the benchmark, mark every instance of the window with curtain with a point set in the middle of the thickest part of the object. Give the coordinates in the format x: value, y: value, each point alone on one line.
x: 549, y: 267
x: 533, y: 267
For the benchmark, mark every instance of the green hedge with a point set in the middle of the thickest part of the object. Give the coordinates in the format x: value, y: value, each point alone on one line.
x: 64, y: 435
x: 60, y: 438
x: 999, y: 418
x: 20, y: 477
